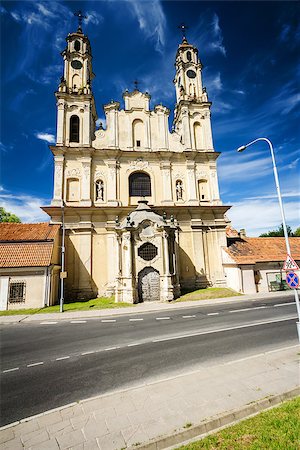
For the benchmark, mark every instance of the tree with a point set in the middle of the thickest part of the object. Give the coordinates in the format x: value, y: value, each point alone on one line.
x: 6, y: 216
x: 278, y: 233
x: 297, y: 232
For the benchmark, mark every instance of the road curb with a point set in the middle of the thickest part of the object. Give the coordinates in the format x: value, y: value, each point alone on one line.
x: 215, y: 424
x: 159, y: 306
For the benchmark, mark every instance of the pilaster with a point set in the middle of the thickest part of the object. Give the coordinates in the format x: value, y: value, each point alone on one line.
x: 191, y: 183
x: 58, y: 180
x: 86, y: 181
x: 165, y: 168
x: 113, y: 167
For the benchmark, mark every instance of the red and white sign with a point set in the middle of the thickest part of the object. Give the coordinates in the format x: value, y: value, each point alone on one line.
x: 290, y: 264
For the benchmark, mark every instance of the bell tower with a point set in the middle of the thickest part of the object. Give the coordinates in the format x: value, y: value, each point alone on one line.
x: 192, y: 110
x: 76, y: 112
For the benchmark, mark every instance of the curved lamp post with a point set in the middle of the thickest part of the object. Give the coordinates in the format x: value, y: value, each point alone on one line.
x: 288, y: 249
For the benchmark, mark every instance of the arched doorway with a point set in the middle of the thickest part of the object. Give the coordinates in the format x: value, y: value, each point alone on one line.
x: 148, y: 285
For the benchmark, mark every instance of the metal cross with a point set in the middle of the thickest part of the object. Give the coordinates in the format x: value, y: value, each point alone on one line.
x: 80, y: 18
x: 136, y: 83
x: 183, y: 28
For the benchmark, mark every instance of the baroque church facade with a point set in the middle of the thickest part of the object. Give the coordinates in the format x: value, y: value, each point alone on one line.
x: 142, y: 213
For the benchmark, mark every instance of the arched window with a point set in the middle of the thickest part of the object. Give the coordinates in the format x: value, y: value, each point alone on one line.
x: 77, y: 46
x: 99, y: 185
x: 74, y: 129
x: 203, y: 190
x: 198, y: 135
x: 179, y: 189
x: 72, y: 190
x: 139, y: 185
x: 138, y: 133
x: 188, y: 56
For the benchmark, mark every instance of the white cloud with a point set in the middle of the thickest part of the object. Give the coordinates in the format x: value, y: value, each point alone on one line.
x: 93, y: 17
x: 47, y: 137
x: 233, y: 168
x: 261, y: 215
x: 27, y: 207
x: 151, y: 20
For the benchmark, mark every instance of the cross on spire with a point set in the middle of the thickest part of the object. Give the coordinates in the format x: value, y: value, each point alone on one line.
x: 183, y: 28
x: 136, y: 83
x: 80, y: 16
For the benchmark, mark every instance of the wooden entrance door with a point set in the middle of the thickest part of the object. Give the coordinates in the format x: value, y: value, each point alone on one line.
x: 149, y: 285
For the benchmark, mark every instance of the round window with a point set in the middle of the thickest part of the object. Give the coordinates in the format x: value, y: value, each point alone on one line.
x: 147, y: 251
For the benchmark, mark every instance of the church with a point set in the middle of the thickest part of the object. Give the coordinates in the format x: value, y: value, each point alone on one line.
x: 139, y: 204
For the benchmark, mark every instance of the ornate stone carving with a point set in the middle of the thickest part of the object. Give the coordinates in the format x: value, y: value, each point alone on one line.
x: 178, y: 175
x: 99, y: 174
x: 73, y: 172
x: 72, y: 107
x: 139, y: 164
x: 201, y: 174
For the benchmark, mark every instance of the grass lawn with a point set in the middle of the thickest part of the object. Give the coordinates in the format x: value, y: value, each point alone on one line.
x: 275, y: 429
x: 104, y: 302
x: 97, y: 303
x: 208, y: 293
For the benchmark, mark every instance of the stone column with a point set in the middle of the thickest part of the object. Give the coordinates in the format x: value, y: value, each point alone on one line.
x: 162, y: 113
x: 61, y: 120
x: 191, y: 183
x: 216, y: 239
x: 111, y: 265
x: 111, y: 111
x: 112, y: 183
x: 208, y: 132
x: 214, y: 188
x: 167, y: 288
x: 85, y: 131
x: 165, y: 168
x: 58, y: 180
x: 186, y: 128
x: 86, y: 181
x: 201, y: 278
x: 127, y: 286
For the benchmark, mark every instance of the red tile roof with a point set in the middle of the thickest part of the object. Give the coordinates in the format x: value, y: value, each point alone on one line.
x: 26, y: 254
x: 27, y: 232
x: 27, y: 244
x: 252, y: 250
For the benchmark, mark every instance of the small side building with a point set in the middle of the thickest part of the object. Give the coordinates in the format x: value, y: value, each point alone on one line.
x: 254, y: 265
x: 29, y: 265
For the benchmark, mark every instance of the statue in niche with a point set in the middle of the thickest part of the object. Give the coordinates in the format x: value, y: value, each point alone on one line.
x: 179, y: 190
x: 100, y: 190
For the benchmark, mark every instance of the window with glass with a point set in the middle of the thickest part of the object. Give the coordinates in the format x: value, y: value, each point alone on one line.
x: 139, y: 185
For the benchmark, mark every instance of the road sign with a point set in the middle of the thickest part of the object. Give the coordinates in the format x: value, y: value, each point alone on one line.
x: 290, y: 264
x: 292, y: 280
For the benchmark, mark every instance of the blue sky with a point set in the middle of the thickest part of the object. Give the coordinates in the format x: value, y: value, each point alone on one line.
x: 250, y: 53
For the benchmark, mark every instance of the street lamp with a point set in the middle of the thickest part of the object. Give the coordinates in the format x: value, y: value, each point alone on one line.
x: 288, y: 249
x: 62, y: 273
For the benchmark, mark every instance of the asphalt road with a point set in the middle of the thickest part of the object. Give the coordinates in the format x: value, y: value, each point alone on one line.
x: 45, y: 365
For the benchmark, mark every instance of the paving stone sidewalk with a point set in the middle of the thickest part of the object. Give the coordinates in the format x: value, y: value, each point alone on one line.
x: 170, y: 411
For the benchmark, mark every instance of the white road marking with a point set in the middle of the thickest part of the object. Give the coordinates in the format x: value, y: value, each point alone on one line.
x: 162, y: 318
x: 247, y: 309
x: 62, y: 357
x: 220, y: 330
x: 78, y: 321
x: 110, y: 348
x: 187, y: 317
x: 88, y: 353
x: 284, y: 304
x: 133, y: 345
x: 47, y: 323
x: 108, y: 320
x: 135, y: 320
x: 35, y: 364
x: 213, y: 314
x: 10, y: 370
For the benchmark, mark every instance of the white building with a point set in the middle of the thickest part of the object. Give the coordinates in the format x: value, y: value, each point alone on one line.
x: 143, y: 215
